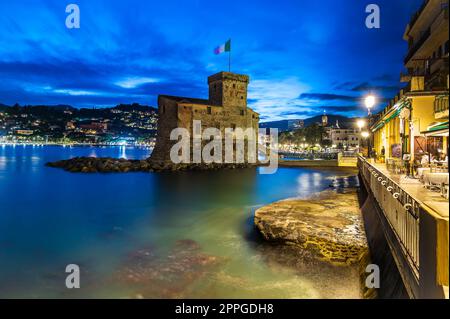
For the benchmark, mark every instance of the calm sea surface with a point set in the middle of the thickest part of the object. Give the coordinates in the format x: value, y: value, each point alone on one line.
x: 151, y: 235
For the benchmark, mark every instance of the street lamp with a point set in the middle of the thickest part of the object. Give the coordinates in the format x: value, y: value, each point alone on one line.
x: 370, y: 102
x: 365, y: 135
x: 361, y: 124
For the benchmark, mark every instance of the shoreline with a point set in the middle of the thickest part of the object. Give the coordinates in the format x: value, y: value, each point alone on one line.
x: 74, y: 144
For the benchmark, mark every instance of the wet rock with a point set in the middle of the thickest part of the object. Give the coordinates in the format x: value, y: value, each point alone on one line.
x: 329, y: 227
x: 111, y: 165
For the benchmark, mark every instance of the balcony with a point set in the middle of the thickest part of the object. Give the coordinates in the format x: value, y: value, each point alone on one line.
x: 431, y: 76
x: 416, y: 46
x: 435, y: 33
x: 441, y: 107
x: 436, y: 78
x: 417, y: 14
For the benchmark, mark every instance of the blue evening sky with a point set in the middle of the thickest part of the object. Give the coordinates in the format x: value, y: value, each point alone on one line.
x: 303, y: 57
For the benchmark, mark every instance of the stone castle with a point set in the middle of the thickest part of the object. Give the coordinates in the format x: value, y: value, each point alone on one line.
x: 226, y: 107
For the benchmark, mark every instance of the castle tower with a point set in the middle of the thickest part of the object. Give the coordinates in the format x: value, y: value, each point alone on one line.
x: 228, y: 89
x: 226, y: 107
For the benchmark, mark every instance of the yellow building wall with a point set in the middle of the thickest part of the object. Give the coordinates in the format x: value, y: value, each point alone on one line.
x: 422, y: 113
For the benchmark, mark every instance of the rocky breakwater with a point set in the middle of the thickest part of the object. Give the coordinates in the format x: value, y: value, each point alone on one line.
x: 115, y: 165
x: 329, y: 226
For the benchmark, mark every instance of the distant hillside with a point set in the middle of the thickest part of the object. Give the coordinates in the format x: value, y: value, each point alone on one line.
x: 64, y: 123
x: 283, y: 125
x: 62, y: 108
x: 135, y: 107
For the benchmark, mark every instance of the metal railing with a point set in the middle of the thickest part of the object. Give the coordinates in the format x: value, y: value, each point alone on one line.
x: 400, y: 209
x: 416, y: 46
x: 441, y: 104
x: 309, y: 155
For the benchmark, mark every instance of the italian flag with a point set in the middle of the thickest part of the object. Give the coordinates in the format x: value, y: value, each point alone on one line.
x: 226, y: 47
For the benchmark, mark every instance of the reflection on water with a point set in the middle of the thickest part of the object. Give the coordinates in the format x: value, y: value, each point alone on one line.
x: 140, y: 235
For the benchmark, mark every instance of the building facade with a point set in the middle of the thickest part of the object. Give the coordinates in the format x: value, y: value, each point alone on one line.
x: 226, y: 107
x: 416, y: 120
x: 343, y: 138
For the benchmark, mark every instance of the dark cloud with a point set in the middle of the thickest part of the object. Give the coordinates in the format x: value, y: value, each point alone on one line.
x: 345, y: 85
x: 367, y: 87
x: 327, y: 97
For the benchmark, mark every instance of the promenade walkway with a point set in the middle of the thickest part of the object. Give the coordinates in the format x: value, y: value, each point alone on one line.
x: 415, y: 188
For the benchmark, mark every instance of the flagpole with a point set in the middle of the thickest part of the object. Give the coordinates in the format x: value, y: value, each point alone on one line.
x: 229, y: 61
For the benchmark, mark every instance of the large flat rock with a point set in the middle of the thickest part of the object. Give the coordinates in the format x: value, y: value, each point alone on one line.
x: 330, y: 225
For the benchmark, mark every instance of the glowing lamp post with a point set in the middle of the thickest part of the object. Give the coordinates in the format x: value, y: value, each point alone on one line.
x: 370, y: 102
x: 360, y: 124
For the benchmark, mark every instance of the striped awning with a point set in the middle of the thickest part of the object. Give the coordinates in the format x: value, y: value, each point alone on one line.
x: 393, y: 113
x: 437, y: 129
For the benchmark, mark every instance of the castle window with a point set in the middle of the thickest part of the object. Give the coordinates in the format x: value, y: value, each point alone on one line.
x: 242, y: 112
x: 234, y: 86
x: 242, y: 97
x: 208, y: 109
x: 163, y: 109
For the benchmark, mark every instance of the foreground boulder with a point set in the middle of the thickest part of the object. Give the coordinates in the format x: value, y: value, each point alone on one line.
x: 329, y: 226
x: 115, y: 165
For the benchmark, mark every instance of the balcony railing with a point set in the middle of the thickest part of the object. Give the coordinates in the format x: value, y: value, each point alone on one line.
x: 417, y: 14
x: 417, y: 45
x: 441, y: 17
x: 400, y: 209
x: 441, y: 104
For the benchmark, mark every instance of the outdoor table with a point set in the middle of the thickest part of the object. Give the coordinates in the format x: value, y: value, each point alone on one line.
x: 436, y: 178
x: 422, y: 170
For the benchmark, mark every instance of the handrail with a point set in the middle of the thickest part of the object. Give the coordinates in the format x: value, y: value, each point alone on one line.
x: 399, y: 207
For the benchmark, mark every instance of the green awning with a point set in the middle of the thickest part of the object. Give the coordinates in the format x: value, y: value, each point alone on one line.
x: 438, y: 128
x: 395, y: 111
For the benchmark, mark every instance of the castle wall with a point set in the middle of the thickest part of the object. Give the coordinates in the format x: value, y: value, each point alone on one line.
x: 167, y: 121
x: 225, y: 109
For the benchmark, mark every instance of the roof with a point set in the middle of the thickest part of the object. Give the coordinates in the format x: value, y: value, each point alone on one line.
x: 186, y: 99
